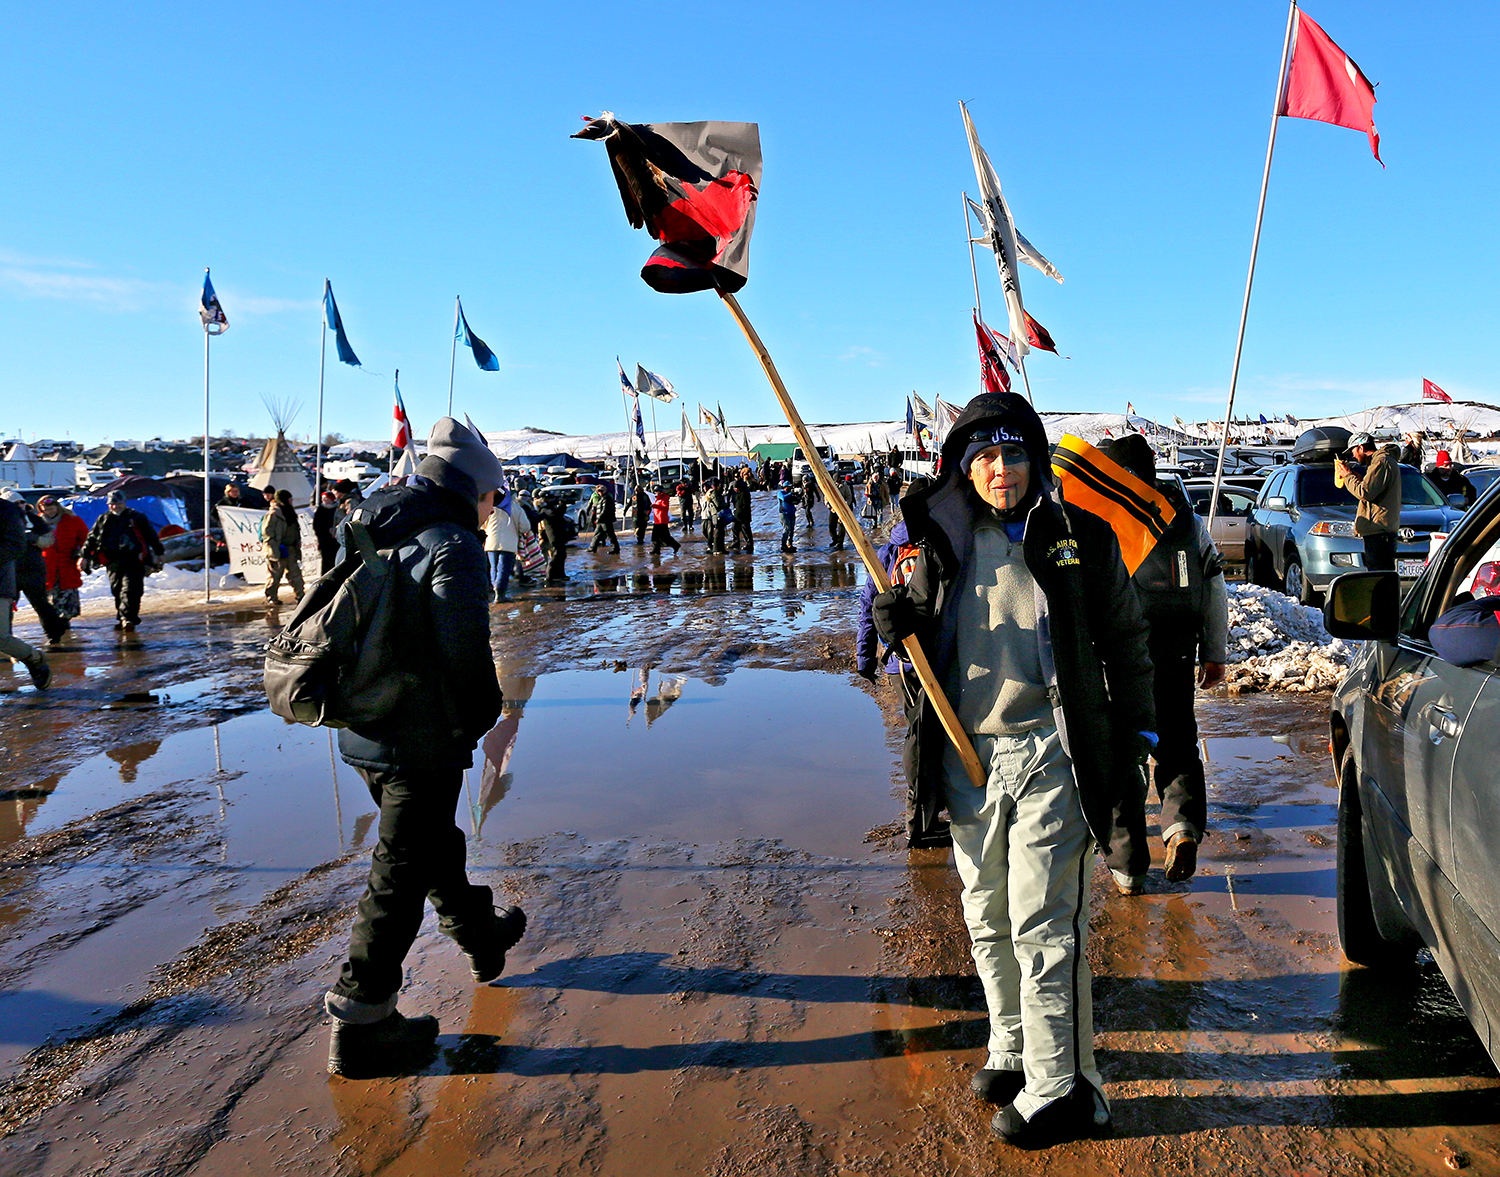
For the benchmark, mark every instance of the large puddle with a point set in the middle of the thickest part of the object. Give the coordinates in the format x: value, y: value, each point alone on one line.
x: 633, y: 754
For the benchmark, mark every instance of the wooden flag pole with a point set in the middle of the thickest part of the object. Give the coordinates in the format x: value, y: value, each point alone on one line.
x: 914, y: 653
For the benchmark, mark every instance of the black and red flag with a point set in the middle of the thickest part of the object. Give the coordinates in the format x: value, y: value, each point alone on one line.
x: 1037, y: 336
x: 693, y: 187
x: 991, y: 359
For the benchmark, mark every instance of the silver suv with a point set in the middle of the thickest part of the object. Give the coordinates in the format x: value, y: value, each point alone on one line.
x: 1414, y: 742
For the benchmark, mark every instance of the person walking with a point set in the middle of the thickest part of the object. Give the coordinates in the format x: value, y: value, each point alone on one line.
x: 642, y: 510
x: 686, y: 507
x: 1025, y: 610
x: 69, y: 535
x: 413, y: 759
x: 1378, y: 490
x: 325, y: 521
x: 786, y: 503
x: 123, y: 542
x: 555, y: 529
x: 744, y: 538
x: 604, y: 518
x: 717, y: 512
x: 31, y: 568
x: 836, y: 531
x: 875, y: 497
x: 661, y: 524
x: 501, y: 540
x: 1185, y: 602
x: 15, y: 538
x: 811, y: 496
x: 281, y: 542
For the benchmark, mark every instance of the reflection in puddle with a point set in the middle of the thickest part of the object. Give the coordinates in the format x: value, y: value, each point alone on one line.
x: 253, y: 803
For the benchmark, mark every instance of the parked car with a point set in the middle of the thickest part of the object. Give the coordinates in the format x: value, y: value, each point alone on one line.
x: 1301, y: 530
x: 1415, y: 741
x: 1236, y: 501
x: 1481, y: 477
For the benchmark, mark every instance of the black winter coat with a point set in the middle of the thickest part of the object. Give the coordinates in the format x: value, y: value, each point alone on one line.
x: 14, y: 540
x: 443, y: 594
x: 1094, y: 651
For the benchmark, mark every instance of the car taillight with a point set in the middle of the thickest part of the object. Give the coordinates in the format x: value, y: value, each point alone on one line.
x: 1487, y: 580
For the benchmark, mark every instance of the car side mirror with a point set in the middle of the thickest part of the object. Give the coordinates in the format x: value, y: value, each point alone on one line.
x: 1458, y: 501
x: 1364, y: 606
x: 1276, y: 503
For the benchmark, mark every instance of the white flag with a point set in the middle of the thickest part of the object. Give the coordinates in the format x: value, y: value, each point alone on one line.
x: 650, y: 384
x: 1001, y: 231
x: 1027, y: 252
x: 702, y: 453
x: 921, y: 408
x: 705, y: 417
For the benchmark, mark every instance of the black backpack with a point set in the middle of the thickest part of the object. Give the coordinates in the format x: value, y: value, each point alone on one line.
x: 336, y: 664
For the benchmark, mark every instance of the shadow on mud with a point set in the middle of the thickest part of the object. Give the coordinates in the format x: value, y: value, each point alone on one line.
x: 484, y: 1054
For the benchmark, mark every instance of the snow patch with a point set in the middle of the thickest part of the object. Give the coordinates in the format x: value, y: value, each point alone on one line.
x: 1276, y: 644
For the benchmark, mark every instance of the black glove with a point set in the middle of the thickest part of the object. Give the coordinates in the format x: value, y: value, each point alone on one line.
x: 1141, y: 746
x: 894, y: 614
x: 867, y: 673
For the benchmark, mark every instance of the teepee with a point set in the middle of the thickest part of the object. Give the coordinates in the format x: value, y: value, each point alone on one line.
x: 279, y: 467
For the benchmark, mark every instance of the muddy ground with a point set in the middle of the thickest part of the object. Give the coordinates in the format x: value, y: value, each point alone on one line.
x: 733, y: 964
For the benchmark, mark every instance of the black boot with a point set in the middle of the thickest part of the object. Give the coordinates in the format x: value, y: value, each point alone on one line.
x: 487, y: 944
x: 994, y: 1086
x: 395, y: 1045
x: 1079, y: 1115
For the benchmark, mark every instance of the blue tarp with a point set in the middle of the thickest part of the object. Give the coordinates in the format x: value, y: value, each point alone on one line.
x: 545, y: 460
x: 162, y: 512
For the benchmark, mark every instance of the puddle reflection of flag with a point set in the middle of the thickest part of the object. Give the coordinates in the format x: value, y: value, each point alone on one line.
x: 668, y: 691
x: 638, y: 692
x: 498, y: 745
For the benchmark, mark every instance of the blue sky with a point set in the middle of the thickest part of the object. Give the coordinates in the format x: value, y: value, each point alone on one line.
x: 414, y: 153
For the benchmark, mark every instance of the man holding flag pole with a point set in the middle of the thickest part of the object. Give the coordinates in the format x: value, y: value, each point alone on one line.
x: 1025, y: 812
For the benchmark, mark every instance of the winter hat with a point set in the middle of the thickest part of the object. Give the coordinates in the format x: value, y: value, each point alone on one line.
x: 1363, y: 439
x: 115, y: 496
x: 1442, y: 458
x: 992, y: 434
x: 1134, y: 453
x: 460, y: 448
x: 11, y: 495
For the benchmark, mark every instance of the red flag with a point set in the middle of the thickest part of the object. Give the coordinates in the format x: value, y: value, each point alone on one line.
x: 991, y: 365
x: 1037, y: 336
x: 400, y: 423
x: 1324, y: 84
x: 1432, y: 392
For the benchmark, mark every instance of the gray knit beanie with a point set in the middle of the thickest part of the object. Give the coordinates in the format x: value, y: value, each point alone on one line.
x: 461, y: 449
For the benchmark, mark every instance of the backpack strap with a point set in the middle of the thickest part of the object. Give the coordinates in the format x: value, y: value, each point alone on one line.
x: 360, y: 534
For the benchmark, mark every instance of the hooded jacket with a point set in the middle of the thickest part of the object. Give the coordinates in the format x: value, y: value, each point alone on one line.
x: 69, y: 534
x: 443, y: 592
x: 1378, y: 490
x: 1093, y: 636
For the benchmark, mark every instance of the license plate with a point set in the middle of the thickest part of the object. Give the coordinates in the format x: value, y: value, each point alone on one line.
x: 1410, y: 568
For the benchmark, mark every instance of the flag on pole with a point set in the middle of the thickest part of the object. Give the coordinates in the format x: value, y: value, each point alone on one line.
x: 1001, y: 231
x: 640, y: 427
x: 692, y: 186
x: 400, y: 424
x: 698, y: 445
x: 210, y: 311
x: 1324, y: 84
x: 650, y: 384
x: 1027, y: 252
x: 991, y: 364
x: 1291, y: 420
x: 1263, y: 420
x: 483, y: 356
x: 1432, y: 392
x: 1037, y: 336
x: 1181, y: 424
x: 335, y: 323
x: 704, y: 416
x: 911, y: 422
x: 923, y: 412
x: 723, y: 428
x: 1130, y: 408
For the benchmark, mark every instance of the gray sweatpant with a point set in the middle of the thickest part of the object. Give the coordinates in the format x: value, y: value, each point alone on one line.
x: 1021, y: 845
x: 9, y: 643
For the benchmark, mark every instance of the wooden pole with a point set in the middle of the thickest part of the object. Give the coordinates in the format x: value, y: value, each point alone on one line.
x: 914, y: 652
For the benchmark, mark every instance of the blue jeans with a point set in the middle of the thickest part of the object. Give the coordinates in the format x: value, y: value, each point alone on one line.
x: 501, y: 564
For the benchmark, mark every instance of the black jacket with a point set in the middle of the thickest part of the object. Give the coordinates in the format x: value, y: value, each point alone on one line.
x: 444, y: 591
x: 14, y: 540
x: 1094, y: 645
x: 741, y: 500
x: 127, y: 538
